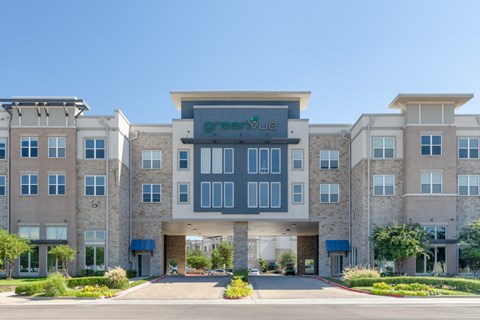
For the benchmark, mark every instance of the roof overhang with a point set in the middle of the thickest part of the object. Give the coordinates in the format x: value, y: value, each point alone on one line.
x: 302, y: 96
x: 62, y: 102
x: 403, y: 98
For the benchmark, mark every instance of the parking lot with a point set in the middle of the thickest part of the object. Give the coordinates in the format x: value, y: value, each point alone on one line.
x: 212, y: 288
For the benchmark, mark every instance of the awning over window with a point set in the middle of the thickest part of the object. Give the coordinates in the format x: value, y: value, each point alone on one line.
x: 142, y: 245
x: 338, y: 245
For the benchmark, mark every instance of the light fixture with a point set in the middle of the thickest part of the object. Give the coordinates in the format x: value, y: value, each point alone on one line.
x: 194, y: 229
x: 293, y: 225
x: 189, y: 225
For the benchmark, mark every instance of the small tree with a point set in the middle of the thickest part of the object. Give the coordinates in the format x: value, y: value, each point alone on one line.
x: 288, y: 257
x: 262, y: 264
x: 470, y: 246
x: 400, y: 242
x: 64, y: 254
x: 11, y: 247
x: 223, y: 255
x: 198, y: 262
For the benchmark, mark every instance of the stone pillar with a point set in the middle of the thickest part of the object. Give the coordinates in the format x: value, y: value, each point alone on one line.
x: 306, y: 249
x: 240, y: 244
x: 176, y: 251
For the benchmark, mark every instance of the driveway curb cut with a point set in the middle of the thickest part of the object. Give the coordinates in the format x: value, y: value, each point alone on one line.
x: 141, y: 286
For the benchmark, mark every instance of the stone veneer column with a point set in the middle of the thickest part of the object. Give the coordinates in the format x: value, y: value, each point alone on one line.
x: 176, y: 251
x: 240, y: 244
x: 306, y: 247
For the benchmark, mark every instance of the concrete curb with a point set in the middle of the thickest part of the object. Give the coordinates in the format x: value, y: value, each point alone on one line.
x: 340, y: 285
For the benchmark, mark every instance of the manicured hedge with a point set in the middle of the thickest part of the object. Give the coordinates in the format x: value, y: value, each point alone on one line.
x: 31, y: 288
x: 87, y: 281
x: 466, y: 285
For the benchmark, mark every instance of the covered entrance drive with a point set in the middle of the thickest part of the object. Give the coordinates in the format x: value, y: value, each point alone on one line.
x: 306, y: 234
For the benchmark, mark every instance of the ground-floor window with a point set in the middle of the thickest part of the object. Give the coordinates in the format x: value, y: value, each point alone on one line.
x: 337, y: 264
x: 29, y: 261
x: 53, y: 265
x: 95, y: 257
x: 435, y: 261
x: 463, y: 266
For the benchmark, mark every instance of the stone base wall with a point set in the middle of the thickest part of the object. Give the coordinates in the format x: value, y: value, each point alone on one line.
x: 147, y: 229
x: 176, y: 251
x: 306, y: 249
x: 240, y: 244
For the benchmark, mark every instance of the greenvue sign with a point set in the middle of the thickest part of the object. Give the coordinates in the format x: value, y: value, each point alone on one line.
x: 253, y: 123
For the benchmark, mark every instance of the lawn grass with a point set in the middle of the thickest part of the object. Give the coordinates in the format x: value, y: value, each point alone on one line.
x: 139, y: 282
x: 17, y: 281
x: 441, y: 292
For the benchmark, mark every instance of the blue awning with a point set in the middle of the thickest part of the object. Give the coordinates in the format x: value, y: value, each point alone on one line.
x: 338, y: 245
x: 142, y: 245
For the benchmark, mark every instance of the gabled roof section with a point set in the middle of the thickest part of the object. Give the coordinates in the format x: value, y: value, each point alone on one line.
x: 62, y: 102
x: 458, y: 99
x: 302, y: 96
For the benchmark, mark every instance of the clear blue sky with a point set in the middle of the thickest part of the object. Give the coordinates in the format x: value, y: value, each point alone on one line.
x: 354, y: 56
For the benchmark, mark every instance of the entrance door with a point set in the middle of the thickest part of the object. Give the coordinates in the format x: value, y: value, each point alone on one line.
x: 337, y: 264
x: 144, y: 265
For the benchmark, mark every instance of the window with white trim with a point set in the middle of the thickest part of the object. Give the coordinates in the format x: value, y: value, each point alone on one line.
x: 383, y: 147
x: 151, y: 193
x: 29, y: 184
x: 252, y: 160
x: 431, y: 182
x: 228, y: 194
x: 151, y: 159
x: 94, y: 148
x: 217, y: 194
x: 56, y: 184
x: 297, y: 193
x: 431, y: 145
x: 329, y: 193
x: 275, y: 195
x: 3, y: 185
x: 29, y: 147
x: 56, y: 147
x: 94, y: 235
x: 216, y: 160
x: 228, y: 164
x: 205, y: 195
x: 468, y: 185
x: 28, y: 232
x: 297, y: 159
x: 94, y: 185
x: 29, y: 261
x: 95, y: 257
x: 468, y: 148
x: 183, y: 193
x: 264, y: 194
x: 56, y: 233
x: 435, y: 261
x: 436, y: 232
x: 53, y: 264
x: 252, y: 195
x: 3, y: 148
x: 384, y: 185
x: 183, y: 159
x: 264, y: 160
x: 329, y: 159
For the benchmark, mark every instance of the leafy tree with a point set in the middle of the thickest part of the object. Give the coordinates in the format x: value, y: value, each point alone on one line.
x: 262, y: 264
x: 470, y: 245
x: 398, y: 243
x: 64, y: 254
x: 288, y: 257
x: 223, y: 255
x: 198, y: 262
x: 11, y: 247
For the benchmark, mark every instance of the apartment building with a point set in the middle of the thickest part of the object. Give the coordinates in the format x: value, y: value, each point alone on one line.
x: 240, y: 165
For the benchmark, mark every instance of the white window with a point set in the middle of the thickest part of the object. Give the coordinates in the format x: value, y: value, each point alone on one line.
x: 151, y: 193
x: 275, y: 195
x: 217, y: 194
x: 297, y: 193
x: 29, y: 146
x: 264, y: 201
x: 437, y: 232
x: 3, y: 185
x: 431, y: 145
x: 56, y: 184
x: 151, y: 159
x: 297, y: 159
x: 205, y: 195
x: 56, y: 147
x: 228, y: 194
x: 216, y: 160
x: 329, y: 159
x: 182, y: 159
x: 329, y: 193
x: 94, y: 185
x: 275, y: 168
x: 468, y: 185
x: 228, y: 166
x: 29, y: 261
x: 29, y: 184
x: 383, y: 147
x: 384, y: 185
x: 95, y: 257
x: 30, y: 233
x: 435, y: 261
x: 205, y: 160
x: 183, y: 193
x: 431, y: 182
x: 94, y: 235
x: 263, y: 160
x: 468, y: 148
x: 252, y: 161
x: 57, y: 233
x: 53, y: 264
x: 94, y: 148
x: 252, y: 195
x: 3, y: 148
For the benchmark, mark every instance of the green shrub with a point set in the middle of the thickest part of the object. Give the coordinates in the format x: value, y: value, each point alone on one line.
x: 55, y: 285
x: 116, y: 278
x: 91, y: 273
x: 241, y: 274
x: 414, y: 289
x: 30, y: 289
x: 94, y: 292
x: 359, y: 272
x: 238, y: 289
x: 86, y: 281
x: 465, y: 285
x: 131, y: 273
